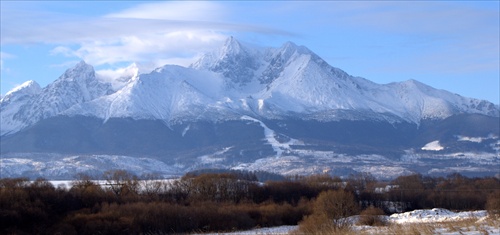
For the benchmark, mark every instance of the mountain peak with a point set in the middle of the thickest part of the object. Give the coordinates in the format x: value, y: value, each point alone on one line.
x: 289, y: 46
x: 230, y: 41
x: 81, y: 71
x: 232, y: 60
x: 231, y: 47
x: 416, y: 84
x: 81, y: 63
x: 30, y: 85
x: 27, y: 88
x: 292, y: 47
x: 82, y: 66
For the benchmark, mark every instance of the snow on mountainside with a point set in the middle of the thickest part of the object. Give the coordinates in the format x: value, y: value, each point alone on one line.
x: 12, y: 102
x: 422, y: 101
x: 166, y: 93
x: 294, y: 79
x: 235, y: 80
x: 26, y: 89
x: 76, y: 85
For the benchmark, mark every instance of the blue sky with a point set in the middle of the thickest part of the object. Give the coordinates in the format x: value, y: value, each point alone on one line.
x: 450, y: 45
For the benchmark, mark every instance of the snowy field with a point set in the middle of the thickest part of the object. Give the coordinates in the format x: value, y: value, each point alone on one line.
x: 433, y: 221
x: 261, y: 231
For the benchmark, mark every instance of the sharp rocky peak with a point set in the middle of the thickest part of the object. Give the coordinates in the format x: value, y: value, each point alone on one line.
x: 232, y: 60
x: 77, y: 85
x: 81, y: 70
x: 290, y: 47
x: 231, y: 46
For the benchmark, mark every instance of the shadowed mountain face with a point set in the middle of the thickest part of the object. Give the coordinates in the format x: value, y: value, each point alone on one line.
x: 243, y: 107
x: 240, y: 143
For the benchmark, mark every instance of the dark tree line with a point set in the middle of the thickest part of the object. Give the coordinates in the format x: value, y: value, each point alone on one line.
x: 215, y: 202
x: 454, y: 192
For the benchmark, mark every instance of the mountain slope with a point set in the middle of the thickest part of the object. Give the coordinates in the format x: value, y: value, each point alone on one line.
x: 12, y: 103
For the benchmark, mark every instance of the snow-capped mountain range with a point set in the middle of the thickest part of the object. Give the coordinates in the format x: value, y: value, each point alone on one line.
x: 234, y: 80
x: 238, y: 82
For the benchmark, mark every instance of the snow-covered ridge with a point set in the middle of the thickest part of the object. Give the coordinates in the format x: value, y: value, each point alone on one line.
x: 27, y: 88
x: 293, y: 78
x: 235, y: 80
x: 164, y: 94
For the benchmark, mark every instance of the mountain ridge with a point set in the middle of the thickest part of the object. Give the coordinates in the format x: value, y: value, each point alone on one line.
x: 240, y: 80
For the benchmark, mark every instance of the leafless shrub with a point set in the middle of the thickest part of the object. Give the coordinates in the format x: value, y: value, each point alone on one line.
x: 493, y: 205
x: 372, y: 216
x: 330, y: 212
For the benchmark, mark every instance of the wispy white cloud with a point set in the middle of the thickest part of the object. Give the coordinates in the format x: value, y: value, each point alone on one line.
x: 181, y: 11
x: 159, y: 32
x: 4, y: 56
x: 174, y: 47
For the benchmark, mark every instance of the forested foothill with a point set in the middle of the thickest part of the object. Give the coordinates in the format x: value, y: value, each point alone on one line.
x: 211, y: 201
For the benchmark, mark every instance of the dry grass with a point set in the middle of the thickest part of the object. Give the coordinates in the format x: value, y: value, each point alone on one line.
x: 411, y: 229
x: 471, y: 225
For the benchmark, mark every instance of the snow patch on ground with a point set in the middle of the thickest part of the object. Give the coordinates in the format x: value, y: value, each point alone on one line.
x: 286, y: 229
x: 434, y: 215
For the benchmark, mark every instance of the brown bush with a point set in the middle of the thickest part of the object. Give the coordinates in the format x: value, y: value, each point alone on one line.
x: 123, y: 184
x: 86, y: 192
x: 311, y: 224
x: 330, y: 211
x: 272, y: 214
x: 372, y: 216
x: 493, y: 205
x: 289, y: 192
x: 101, y: 223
